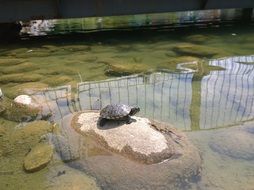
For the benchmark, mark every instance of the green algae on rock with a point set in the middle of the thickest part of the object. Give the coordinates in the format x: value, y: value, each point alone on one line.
x: 15, y: 142
x: 20, y: 68
x: 198, y: 38
x: 20, y: 78
x: 38, y: 157
x: 57, y: 80
x: 120, y: 68
x: 18, y: 112
x: 24, y: 138
x: 171, y: 63
x: 24, y: 88
x: 9, y: 61
x: 196, y: 50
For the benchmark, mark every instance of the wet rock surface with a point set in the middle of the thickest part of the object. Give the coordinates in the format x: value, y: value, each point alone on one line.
x: 38, y: 157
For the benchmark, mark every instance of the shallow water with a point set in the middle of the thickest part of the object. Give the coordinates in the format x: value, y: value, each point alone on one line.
x: 190, y: 88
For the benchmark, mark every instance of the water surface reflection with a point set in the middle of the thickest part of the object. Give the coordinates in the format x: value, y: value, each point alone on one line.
x: 219, y: 98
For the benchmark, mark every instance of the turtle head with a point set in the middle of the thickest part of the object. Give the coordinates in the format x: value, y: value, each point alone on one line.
x: 134, y: 110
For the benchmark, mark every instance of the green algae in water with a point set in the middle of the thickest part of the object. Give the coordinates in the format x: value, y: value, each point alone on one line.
x: 117, y: 54
x: 14, y: 147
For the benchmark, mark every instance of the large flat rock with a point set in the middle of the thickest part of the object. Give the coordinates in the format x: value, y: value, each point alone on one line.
x: 139, y: 140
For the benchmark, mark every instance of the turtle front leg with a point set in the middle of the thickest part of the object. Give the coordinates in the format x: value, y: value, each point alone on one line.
x: 128, y: 120
x: 102, y: 122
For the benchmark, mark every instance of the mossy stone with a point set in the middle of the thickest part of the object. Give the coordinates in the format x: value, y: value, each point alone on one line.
x: 17, y: 112
x: 171, y: 63
x: 76, y: 48
x: 57, y: 80
x: 2, y: 108
x: 23, y: 67
x: 10, y: 61
x: 196, y: 50
x: 57, y: 71
x: 38, y: 157
x: 26, y: 137
x: 197, y: 38
x: 25, y: 88
x: 33, y: 53
x: 118, y: 68
x: 20, y: 78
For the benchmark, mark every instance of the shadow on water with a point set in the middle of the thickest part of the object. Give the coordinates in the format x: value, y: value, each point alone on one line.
x: 218, y: 98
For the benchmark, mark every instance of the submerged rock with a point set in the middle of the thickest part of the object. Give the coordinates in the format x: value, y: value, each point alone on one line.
x: 237, y: 143
x: 38, y: 157
x: 57, y: 80
x: 62, y: 146
x: 8, y: 61
x: 20, y: 68
x: 20, y: 78
x: 27, y: 136
x: 196, y: 50
x: 198, y: 38
x: 121, y: 68
x: 65, y: 178
x: 25, y: 88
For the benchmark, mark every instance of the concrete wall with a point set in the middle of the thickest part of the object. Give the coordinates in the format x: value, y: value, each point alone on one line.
x: 16, y: 10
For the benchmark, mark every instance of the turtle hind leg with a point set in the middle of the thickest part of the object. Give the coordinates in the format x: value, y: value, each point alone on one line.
x: 102, y: 122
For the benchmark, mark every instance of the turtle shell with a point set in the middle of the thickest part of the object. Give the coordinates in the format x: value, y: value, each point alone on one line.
x: 115, y: 111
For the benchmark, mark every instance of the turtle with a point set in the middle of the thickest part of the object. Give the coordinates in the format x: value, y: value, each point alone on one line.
x: 117, y: 112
